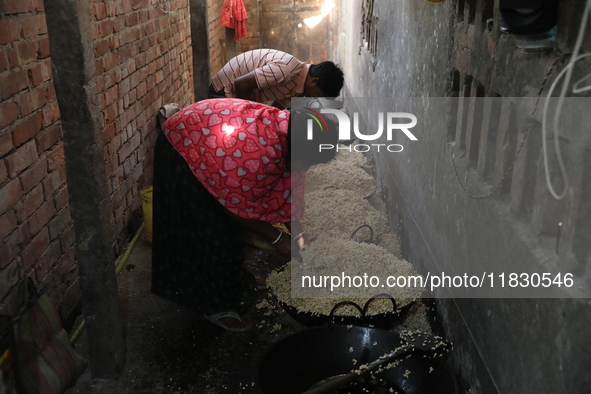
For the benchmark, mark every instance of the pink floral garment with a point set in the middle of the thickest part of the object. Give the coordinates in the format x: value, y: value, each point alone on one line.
x: 237, y: 149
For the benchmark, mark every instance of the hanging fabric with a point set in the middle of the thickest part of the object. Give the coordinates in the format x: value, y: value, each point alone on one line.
x: 234, y: 17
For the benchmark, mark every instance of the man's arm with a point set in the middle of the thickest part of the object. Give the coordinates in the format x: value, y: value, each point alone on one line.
x: 245, y: 85
x: 278, y: 104
x: 265, y: 231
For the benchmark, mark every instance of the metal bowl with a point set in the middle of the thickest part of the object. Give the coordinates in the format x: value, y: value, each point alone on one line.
x: 381, y: 320
x: 300, y: 361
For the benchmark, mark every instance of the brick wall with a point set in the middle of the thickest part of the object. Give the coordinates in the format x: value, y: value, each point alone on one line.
x: 456, y: 49
x: 252, y: 39
x: 143, y: 60
x: 36, y: 233
x: 217, y: 36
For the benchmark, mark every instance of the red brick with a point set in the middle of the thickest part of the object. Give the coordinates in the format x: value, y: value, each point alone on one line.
x: 13, y: 82
x: 109, y: 164
x: 98, y: 64
x: 118, y: 24
x: 41, y: 217
x: 98, y: 10
x: 33, y: 176
x: 6, y: 144
x: 110, y: 114
x: 11, y: 280
x: 109, y: 61
x: 55, y: 158
x: 105, y: 27
x: 24, y: 233
x: 132, y: 96
x: 96, y: 31
x: 22, y: 158
x: 3, y: 170
x: 8, y: 114
x: 144, y: 16
x: 141, y: 89
x: 132, y: 19
x: 61, y: 198
x: 13, y: 245
x: 27, y: 128
x: 108, y: 133
x: 7, y: 224
x: 9, y: 31
x: 48, y: 137
x: 59, y: 223
x: 51, y: 113
x: 33, y: 25
x: 5, y: 256
x: 132, y: 34
x: 26, y: 53
x: 47, y: 260
x: 67, y: 268
x: 111, y: 9
x: 40, y: 72
x: 18, y: 6
x: 43, y: 47
x: 101, y: 47
x: 50, y: 95
x: 52, y: 289
x: 68, y: 238
x: 112, y: 94
x: 3, y: 63
x: 102, y: 100
x: 31, y: 101
x: 29, y: 204
x: 12, y: 56
x: 35, y: 249
x: 54, y: 181
x: 10, y: 193
x: 114, y: 42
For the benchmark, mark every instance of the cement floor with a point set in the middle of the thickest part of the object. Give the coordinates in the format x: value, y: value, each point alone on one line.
x: 170, y: 349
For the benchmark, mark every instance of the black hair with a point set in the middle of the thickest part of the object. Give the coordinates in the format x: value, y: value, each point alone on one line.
x: 306, y: 151
x: 330, y: 77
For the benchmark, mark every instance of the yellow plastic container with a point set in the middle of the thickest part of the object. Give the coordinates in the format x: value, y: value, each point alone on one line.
x: 147, y: 211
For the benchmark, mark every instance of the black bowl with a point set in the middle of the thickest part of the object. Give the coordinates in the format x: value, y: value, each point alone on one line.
x: 380, y: 320
x: 298, y: 362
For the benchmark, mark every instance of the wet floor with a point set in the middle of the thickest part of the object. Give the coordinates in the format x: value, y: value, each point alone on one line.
x: 170, y: 349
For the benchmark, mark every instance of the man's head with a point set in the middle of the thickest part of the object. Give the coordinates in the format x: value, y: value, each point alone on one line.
x: 324, y: 80
x: 303, y: 152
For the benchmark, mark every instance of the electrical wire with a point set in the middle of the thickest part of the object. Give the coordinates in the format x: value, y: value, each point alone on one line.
x: 568, y: 70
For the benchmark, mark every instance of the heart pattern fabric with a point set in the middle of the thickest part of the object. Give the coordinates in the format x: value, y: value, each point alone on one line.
x: 246, y: 142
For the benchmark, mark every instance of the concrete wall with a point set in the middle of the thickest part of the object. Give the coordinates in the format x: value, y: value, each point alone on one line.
x: 446, y: 50
x: 142, y: 59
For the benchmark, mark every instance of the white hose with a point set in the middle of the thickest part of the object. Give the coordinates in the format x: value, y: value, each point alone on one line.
x: 568, y: 69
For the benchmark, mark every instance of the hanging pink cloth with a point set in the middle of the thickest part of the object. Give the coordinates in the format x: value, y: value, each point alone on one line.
x: 234, y: 17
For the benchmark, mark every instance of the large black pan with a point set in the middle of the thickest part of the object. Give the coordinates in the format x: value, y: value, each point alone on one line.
x: 380, y: 320
x: 295, y: 364
x: 386, y: 320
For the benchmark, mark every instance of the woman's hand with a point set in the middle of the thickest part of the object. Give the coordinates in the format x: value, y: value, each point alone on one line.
x: 284, y: 245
